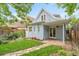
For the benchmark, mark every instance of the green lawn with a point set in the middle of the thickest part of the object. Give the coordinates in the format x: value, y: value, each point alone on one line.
x: 17, y: 45
x: 50, y: 50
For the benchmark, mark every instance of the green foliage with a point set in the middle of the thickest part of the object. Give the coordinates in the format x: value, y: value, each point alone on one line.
x: 3, y: 39
x: 15, y: 35
x: 12, y: 19
x: 11, y: 36
x: 17, y: 45
x: 70, y: 8
x: 64, y: 53
x: 21, y: 33
x: 21, y: 9
x: 3, y: 42
x: 72, y: 21
x: 45, y: 51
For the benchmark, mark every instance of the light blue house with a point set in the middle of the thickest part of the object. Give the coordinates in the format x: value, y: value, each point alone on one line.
x: 47, y: 26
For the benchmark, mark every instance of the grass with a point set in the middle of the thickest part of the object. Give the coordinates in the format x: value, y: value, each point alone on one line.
x: 50, y: 50
x: 17, y: 45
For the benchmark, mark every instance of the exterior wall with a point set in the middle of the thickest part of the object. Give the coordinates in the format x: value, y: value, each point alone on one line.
x: 46, y: 32
x: 59, y: 33
x: 36, y: 33
x: 43, y: 33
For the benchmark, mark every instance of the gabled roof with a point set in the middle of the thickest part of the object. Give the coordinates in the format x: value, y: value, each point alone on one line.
x: 52, y: 16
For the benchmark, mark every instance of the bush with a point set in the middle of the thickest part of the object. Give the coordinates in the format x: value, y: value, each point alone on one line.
x: 3, y: 39
x: 1, y: 42
x: 11, y: 36
x: 15, y: 35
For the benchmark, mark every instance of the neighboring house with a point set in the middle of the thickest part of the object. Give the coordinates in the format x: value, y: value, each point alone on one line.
x: 17, y: 25
x: 14, y: 26
x: 4, y: 30
x: 47, y: 26
x: 21, y: 24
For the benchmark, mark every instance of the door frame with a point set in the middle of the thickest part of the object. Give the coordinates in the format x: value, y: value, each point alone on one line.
x: 52, y: 32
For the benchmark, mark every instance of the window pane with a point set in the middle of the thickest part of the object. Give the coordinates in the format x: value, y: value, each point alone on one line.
x: 38, y: 28
x: 54, y: 33
x: 42, y: 17
x: 30, y: 28
x: 34, y: 28
x: 51, y: 35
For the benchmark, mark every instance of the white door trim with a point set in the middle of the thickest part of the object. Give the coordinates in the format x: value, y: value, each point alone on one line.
x: 52, y: 32
x: 63, y: 33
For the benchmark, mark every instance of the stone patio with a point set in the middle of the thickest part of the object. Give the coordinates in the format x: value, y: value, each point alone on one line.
x: 65, y: 45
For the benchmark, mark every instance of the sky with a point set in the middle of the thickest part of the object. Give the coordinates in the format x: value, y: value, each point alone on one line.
x: 51, y: 8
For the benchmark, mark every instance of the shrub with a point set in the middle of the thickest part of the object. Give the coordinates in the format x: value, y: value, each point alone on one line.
x: 15, y: 35
x: 1, y: 42
x: 3, y: 39
x: 11, y: 36
x: 20, y: 33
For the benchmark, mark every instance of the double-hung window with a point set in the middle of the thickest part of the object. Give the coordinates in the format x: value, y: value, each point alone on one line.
x: 34, y: 28
x: 38, y: 28
x: 30, y: 29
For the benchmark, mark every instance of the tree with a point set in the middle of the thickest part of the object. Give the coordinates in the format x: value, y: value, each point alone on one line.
x: 21, y: 9
x: 12, y: 19
x: 70, y: 9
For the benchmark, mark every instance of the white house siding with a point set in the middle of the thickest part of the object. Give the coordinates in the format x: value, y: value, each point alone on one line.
x: 36, y: 33
x: 48, y: 18
x: 30, y: 33
x: 26, y: 31
x: 46, y: 32
x: 59, y: 33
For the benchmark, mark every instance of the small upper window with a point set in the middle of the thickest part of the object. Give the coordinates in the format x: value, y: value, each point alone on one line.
x: 42, y: 17
x: 30, y: 29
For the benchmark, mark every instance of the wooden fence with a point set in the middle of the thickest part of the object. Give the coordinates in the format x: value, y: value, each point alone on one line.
x: 74, y: 36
